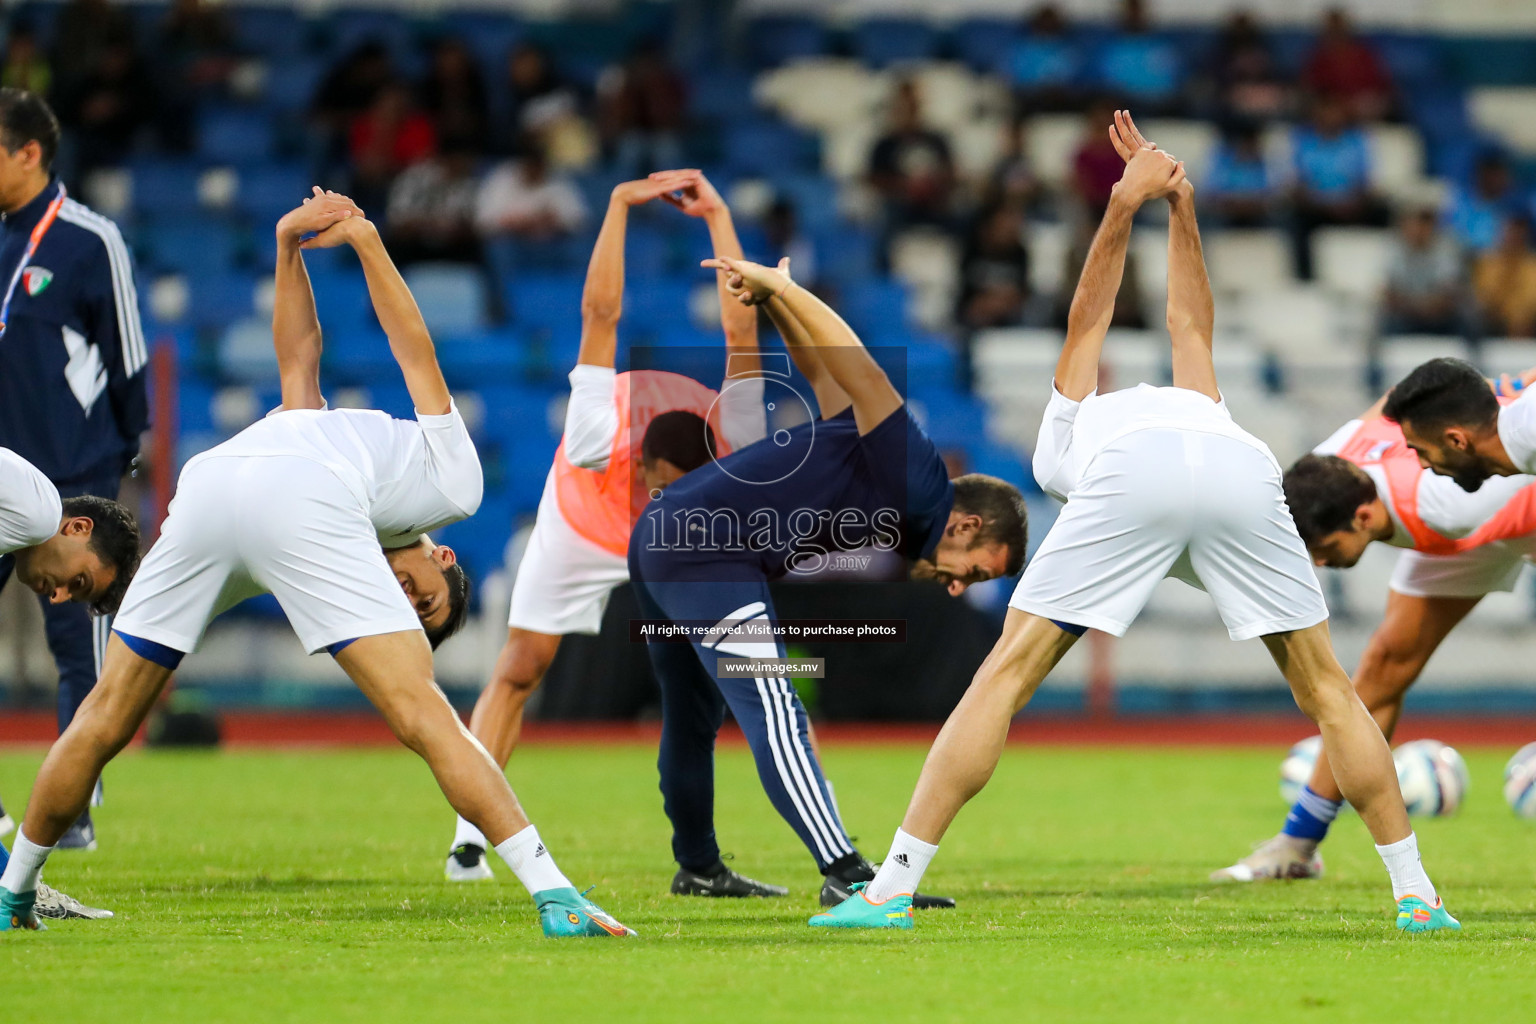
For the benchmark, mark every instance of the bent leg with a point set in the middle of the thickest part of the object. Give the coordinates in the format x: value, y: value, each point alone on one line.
x: 497, y: 721
x: 1410, y: 631
x: 1357, y: 750
x: 394, y: 671
x: 967, y: 749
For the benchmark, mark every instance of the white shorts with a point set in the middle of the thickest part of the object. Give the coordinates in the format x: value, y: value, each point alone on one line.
x: 564, y: 580
x: 1482, y: 570
x: 283, y: 525
x: 1203, y: 508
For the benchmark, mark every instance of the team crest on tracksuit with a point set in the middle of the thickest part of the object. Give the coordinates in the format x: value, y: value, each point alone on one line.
x: 35, y: 279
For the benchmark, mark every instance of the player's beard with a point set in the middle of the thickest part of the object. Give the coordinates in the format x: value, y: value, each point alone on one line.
x: 1468, y: 471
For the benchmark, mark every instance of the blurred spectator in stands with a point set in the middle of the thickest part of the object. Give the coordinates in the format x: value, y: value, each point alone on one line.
x: 644, y: 103
x: 912, y: 168
x: 1332, y: 166
x: 1130, y: 311
x: 1247, y: 81
x: 347, y: 90
x: 25, y: 66
x: 782, y: 236
x: 1096, y: 166
x: 1424, y: 289
x: 107, y: 108
x: 1504, y: 283
x: 453, y: 92
x: 431, y: 210
x: 544, y: 106
x: 1476, y: 215
x: 1240, y: 187
x: 384, y: 140
x: 1046, y: 65
x: 1012, y: 179
x: 994, y: 270
x: 196, y: 55
x: 523, y: 199
x: 81, y: 37
x: 1345, y: 66
x: 1138, y: 63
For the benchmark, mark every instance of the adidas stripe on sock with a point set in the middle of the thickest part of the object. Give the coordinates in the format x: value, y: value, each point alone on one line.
x: 531, y: 862
x: 902, y: 869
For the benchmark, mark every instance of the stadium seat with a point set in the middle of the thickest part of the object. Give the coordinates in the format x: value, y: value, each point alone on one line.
x: 951, y: 418
x: 1398, y: 153
x: 649, y: 305
x: 753, y: 146
x: 885, y: 41
x: 1398, y: 355
x: 1130, y: 358
x: 823, y: 93
x: 877, y: 309
x: 1505, y: 113
x: 164, y: 187
x: 984, y: 43
x: 1257, y: 259
x: 1190, y: 141
x: 245, y: 352
x: 545, y: 302
x: 234, y: 136
x: 1051, y: 140
x: 1150, y: 246
x: 291, y: 84
x: 1048, y: 246
x: 191, y: 247
x: 358, y: 354
x: 270, y: 31
x: 1299, y: 324
x: 1352, y: 261
x: 976, y: 143
x: 267, y: 191
x: 779, y: 40
x: 341, y: 297
x: 482, y: 358
x: 451, y: 296
x: 845, y: 149
x: 216, y: 301
x: 1506, y: 355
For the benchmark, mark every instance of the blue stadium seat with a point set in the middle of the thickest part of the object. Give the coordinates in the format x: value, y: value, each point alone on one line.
x: 234, y: 136
x: 482, y: 358
x: 952, y: 419
x: 649, y: 305
x: 781, y: 39
x: 480, y: 542
x: 877, y: 309
x: 517, y: 411
x: 716, y: 93
x: 217, y: 300
x: 245, y: 352
x: 341, y: 298
x: 985, y: 43
x: 267, y: 191
x: 451, y: 296
x: 349, y: 28
x: 291, y: 84
x: 1492, y: 60
x: 550, y: 302
x: 885, y: 41
x: 191, y: 247
x: 846, y: 253
x: 194, y: 405
x: 490, y: 35
x: 358, y: 355
x: 164, y: 187
x: 814, y: 197
x: 753, y: 147
x: 1002, y: 462
x: 270, y: 31
x: 1411, y: 60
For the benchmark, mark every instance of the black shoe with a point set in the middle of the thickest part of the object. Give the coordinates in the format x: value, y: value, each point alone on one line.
x: 467, y: 863
x: 81, y: 835
x: 842, y: 875
x: 721, y: 881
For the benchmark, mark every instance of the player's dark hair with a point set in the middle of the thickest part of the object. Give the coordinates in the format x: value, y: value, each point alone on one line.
x: 114, y: 540
x: 682, y: 438
x: 1443, y: 393
x: 26, y: 117
x: 1323, y: 492
x: 1003, y: 516
x: 458, y: 605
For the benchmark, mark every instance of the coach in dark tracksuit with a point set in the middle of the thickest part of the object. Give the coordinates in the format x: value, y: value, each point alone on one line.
x: 863, y: 476
x: 72, y: 358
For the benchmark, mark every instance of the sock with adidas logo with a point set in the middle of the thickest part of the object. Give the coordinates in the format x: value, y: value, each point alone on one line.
x: 902, y: 868
x: 531, y: 862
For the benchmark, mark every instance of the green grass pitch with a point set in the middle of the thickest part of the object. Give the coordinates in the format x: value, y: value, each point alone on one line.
x: 278, y: 886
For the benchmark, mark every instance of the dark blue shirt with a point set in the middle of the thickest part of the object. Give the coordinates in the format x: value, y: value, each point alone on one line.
x: 781, y: 505
x: 72, y: 383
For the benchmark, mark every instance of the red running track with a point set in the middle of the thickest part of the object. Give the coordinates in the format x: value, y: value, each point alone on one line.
x: 288, y: 729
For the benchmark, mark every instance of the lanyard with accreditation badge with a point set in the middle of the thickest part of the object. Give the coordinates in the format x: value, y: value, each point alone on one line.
x: 32, y: 243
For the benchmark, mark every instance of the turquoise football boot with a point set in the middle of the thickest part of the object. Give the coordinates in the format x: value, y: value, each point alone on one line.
x: 1414, y: 915
x: 568, y: 914
x: 858, y: 912
x: 17, y: 913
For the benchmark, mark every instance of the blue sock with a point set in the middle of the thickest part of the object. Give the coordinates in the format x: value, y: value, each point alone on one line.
x: 1311, y: 816
x: 5, y: 858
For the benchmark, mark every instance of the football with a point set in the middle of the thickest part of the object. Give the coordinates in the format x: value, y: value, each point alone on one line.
x: 1520, y: 781
x: 1296, y: 769
x: 1433, y: 778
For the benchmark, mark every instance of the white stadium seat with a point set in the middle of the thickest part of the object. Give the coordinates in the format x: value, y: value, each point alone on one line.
x: 1352, y: 260
x: 1048, y: 245
x: 1398, y: 154
x: 1298, y: 323
x: 1051, y: 140
x: 1190, y: 141
x: 1506, y: 355
x: 1399, y: 354
x: 823, y: 93
x: 1150, y: 247
x: 1248, y: 260
x: 1507, y: 113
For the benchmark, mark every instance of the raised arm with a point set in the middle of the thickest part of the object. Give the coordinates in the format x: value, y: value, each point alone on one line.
x: 1147, y: 175
x: 831, y: 399
x: 295, y: 325
x: 409, y: 339
x: 1191, y: 308
x: 842, y: 354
